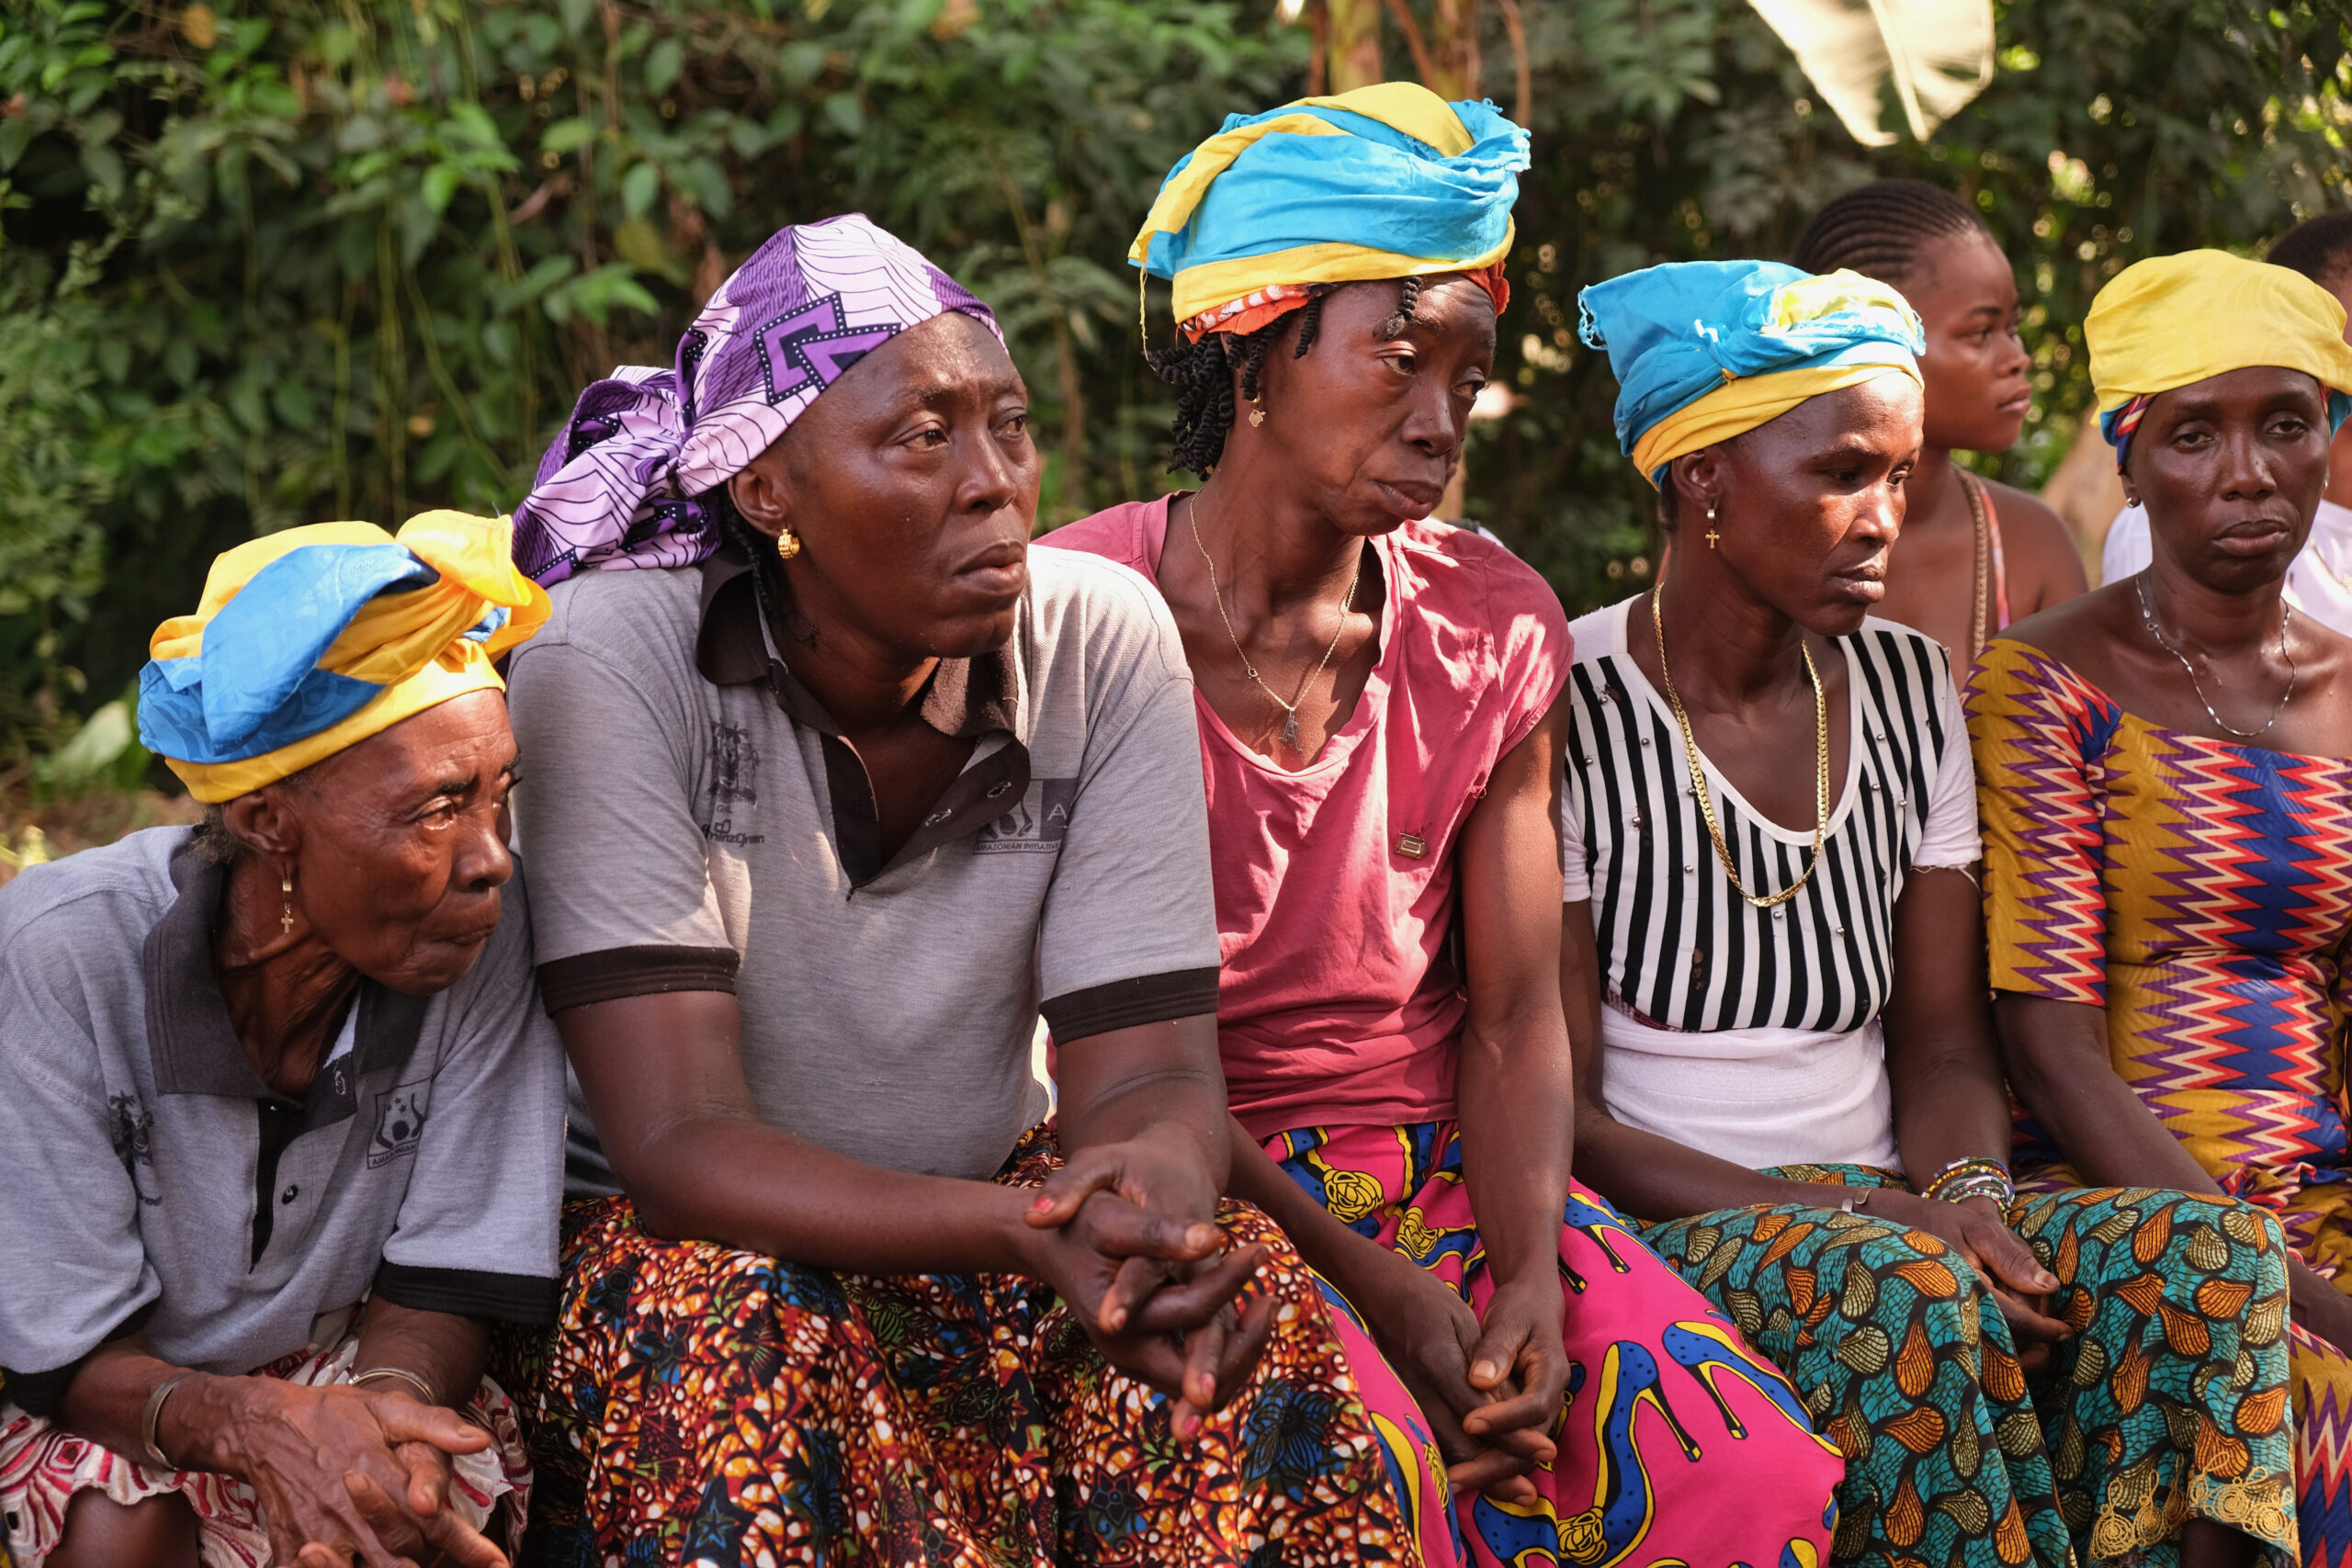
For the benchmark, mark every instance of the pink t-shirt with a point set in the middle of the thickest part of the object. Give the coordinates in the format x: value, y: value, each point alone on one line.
x: 1337, y: 1006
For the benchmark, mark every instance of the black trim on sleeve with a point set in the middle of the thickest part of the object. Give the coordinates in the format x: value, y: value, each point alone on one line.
x: 619, y: 972
x: 1124, y: 1004
x: 527, y: 1299
x: 39, y: 1393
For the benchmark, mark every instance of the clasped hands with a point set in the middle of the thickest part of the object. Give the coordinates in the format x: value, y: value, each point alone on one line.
x: 1125, y: 1232
x: 346, y: 1474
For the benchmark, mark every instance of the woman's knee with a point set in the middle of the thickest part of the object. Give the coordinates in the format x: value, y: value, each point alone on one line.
x: 154, y: 1532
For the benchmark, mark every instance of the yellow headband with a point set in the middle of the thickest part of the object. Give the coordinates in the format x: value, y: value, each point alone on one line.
x: 1739, y: 406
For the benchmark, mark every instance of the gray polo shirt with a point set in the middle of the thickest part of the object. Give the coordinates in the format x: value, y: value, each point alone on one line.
x: 155, y: 1180
x: 694, y: 822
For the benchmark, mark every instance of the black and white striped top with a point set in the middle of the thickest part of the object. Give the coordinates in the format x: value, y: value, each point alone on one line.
x: 1680, y: 948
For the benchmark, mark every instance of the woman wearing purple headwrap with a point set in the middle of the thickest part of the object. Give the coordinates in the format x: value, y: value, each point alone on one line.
x: 830, y: 795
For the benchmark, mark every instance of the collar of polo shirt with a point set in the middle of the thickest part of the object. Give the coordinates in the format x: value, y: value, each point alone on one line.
x: 190, y: 1041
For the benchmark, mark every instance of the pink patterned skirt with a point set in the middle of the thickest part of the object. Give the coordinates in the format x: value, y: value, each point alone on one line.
x: 1677, y: 1442
x: 41, y: 1467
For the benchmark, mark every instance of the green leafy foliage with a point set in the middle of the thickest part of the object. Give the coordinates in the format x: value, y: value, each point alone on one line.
x: 266, y: 262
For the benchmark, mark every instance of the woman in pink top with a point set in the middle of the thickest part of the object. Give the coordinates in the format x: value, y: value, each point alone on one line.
x: 1381, y: 732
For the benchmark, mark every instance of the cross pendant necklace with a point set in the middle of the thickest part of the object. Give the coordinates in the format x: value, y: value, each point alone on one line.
x: 1290, y: 723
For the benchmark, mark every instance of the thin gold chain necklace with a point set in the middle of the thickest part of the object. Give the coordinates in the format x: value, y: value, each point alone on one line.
x: 1699, y: 770
x: 1290, y: 708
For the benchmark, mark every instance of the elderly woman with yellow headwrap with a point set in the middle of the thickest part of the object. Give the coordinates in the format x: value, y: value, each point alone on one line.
x: 1381, y: 711
x: 1772, y: 969
x: 2164, y: 771
x: 285, y: 1119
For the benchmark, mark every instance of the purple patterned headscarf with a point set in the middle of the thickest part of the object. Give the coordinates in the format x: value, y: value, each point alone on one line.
x: 621, y: 486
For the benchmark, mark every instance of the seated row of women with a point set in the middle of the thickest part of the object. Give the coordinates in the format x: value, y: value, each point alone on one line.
x: 1522, y: 1093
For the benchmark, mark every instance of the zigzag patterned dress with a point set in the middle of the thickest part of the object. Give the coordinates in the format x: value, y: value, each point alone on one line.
x: 2201, y: 893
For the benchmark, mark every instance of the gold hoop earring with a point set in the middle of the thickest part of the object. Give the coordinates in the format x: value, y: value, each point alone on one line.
x: 787, y: 544
x: 285, y: 891
x: 1712, y: 534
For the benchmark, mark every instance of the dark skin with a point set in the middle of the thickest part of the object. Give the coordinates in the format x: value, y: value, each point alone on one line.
x: 397, y: 848
x: 912, y: 485
x: 1976, y: 368
x: 2231, y: 470
x: 1808, y: 507
x: 1359, y: 435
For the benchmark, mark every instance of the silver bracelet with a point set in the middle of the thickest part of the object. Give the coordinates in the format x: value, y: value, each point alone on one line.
x: 424, y: 1390
x: 163, y: 1391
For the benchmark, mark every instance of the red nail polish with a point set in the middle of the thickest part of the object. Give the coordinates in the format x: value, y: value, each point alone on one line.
x: 1040, y: 1205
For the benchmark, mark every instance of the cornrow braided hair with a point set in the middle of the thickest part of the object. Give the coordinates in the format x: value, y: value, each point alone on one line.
x: 768, y: 590
x: 1883, y: 228
x: 1201, y: 374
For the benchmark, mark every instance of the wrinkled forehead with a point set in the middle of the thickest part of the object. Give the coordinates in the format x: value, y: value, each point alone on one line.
x: 1881, y: 417
x: 2248, y: 392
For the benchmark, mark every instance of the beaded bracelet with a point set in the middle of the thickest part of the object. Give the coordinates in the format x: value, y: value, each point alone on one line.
x: 1978, y: 1177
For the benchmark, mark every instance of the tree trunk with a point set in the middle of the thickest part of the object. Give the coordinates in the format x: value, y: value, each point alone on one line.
x: 1355, y: 44
x: 1454, y: 49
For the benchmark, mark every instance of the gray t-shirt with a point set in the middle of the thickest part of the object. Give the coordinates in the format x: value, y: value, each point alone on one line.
x: 694, y: 822
x: 154, y: 1178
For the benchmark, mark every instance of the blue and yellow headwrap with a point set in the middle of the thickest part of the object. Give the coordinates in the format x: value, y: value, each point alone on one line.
x: 2171, y: 321
x: 309, y: 641
x: 1390, y: 181
x: 1704, y: 351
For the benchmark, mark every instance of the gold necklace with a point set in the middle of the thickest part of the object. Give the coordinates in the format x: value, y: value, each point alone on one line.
x: 1290, y: 725
x: 1699, y: 772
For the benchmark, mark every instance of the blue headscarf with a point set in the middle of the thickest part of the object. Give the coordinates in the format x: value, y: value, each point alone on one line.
x: 1390, y: 181
x: 1706, y: 350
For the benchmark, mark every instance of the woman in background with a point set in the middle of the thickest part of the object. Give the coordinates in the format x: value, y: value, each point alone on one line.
x: 1975, y: 554
x: 2165, y: 771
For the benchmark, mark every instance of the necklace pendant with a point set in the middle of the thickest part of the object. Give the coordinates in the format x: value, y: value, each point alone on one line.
x: 1290, y: 732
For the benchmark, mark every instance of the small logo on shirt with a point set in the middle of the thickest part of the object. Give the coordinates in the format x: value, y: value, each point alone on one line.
x: 735, y: 785
x: 399, y: 1122
x: 129, y: 1127
x: 1036, y: 825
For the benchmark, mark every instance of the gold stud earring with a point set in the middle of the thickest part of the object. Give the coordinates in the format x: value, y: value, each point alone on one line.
x: 1712, y: 534
x: 286, y: 890
x: 787, y: 544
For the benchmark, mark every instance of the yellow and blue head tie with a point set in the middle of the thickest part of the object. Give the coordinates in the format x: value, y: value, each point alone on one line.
x: 1390, y: 181
x: 309, y: 641
x: 1705, y: 351
x: 2171, y: 321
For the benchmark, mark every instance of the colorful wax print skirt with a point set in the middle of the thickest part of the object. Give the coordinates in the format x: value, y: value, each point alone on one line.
x: 702, y: 1405
x: 41, y: 1467
x: 2319, y: 1382
x: 2168, y: 1404
x: 1679, y: 1444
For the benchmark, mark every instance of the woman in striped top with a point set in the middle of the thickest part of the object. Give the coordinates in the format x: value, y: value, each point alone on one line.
x: 1773, y: 966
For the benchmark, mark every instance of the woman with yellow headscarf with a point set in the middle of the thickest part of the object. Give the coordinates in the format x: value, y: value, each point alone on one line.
x: 1772, y: 970
x: 285, y: 1119
x: 2164, y: 771
x: 1379, y: 701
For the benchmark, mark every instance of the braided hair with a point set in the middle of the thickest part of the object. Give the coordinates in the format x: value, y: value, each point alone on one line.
x: 769, y: 591
x: 1883, y: 230
x: 2319, y: 248
x: 1202, y: 373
